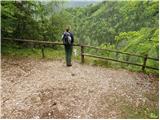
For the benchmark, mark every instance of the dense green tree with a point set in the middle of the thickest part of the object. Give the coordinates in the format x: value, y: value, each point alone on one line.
x: 102, y: 22
x: 33, y: 19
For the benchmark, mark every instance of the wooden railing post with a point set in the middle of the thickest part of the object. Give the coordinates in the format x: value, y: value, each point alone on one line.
x: 42, y: 50
x: 144, y: 62
x: 82, y: 56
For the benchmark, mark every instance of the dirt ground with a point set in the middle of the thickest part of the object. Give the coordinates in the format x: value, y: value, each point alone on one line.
x: 48, y: 89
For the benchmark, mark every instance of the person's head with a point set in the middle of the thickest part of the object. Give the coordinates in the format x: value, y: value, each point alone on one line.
x: 67, y: 28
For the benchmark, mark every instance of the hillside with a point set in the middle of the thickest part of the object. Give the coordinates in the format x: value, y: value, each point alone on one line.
x: 82, y: 3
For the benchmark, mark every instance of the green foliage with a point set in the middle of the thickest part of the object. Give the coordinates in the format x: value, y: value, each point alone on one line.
x: 140, y: 41
x: 32, y: 20
x: 144, y: 42
x: 100, y: 23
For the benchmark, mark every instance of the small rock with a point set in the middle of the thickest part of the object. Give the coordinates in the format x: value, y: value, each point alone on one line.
x: 54, y: 104
x: 49, y: 114
x: 73, y: 74
x: 60, y: 107
x: 36, y: 117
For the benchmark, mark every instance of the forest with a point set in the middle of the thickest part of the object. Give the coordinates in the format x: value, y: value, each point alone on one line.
x: 129, y: 26
x: 36, y: 82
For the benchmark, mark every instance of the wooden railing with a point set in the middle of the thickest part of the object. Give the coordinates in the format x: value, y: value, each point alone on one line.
x: 145, y: 58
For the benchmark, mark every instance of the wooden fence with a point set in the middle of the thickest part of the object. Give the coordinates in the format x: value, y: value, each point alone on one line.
x: 143, y: 66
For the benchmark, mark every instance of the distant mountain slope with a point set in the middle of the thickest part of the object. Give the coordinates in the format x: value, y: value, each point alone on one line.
x: 109, y: 18
x: 80, y: 3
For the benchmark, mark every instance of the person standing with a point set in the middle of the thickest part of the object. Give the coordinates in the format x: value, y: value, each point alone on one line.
x: 68, y: 40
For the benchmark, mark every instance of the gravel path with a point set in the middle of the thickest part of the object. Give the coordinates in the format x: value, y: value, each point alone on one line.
x: 48, y: 89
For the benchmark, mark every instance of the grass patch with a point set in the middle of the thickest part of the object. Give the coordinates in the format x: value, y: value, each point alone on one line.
x: 19, y: 51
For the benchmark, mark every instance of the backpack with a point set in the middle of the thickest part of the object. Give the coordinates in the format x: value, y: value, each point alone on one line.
x: 67, y: 38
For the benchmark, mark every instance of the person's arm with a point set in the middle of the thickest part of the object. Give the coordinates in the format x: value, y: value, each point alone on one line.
x: 62, y: 37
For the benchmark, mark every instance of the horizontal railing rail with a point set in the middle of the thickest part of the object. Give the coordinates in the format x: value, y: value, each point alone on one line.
x: 145, y: 57
x: 107, y: 58
x: 131, y: 54
x: 37, y: 41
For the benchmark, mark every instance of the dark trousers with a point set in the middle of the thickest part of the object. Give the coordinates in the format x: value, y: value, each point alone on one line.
x: 68, y: 52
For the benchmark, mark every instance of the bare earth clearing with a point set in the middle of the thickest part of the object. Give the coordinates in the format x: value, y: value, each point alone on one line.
x: 48, y: 89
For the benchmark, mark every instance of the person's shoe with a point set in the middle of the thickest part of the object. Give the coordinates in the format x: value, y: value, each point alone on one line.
x: 69, y: 65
